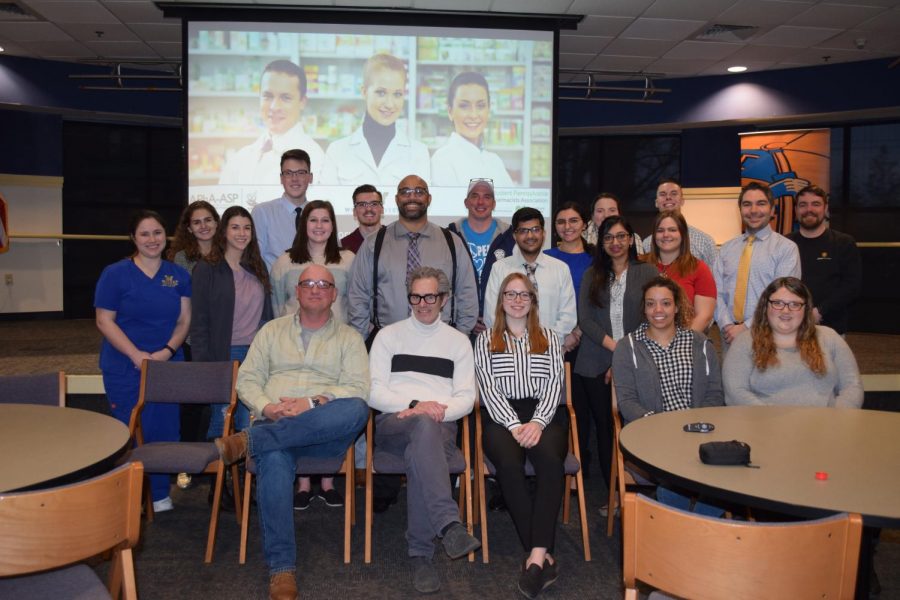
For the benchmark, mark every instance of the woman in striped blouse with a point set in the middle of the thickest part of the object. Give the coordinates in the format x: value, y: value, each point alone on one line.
x: 519, y: 366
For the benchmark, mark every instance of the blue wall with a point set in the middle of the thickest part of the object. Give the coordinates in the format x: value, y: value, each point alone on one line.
x: 829, y: 88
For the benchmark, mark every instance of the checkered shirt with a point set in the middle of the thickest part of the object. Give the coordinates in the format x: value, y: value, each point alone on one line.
x: 675, y: 365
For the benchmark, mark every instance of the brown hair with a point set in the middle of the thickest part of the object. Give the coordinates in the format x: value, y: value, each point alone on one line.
x: 184, y: 239
x: 299, y: 250
x: 251, y: 257
x: 539, y: 342
x: 765, y: 353
x: 685, y: 312
x: 686, y: 262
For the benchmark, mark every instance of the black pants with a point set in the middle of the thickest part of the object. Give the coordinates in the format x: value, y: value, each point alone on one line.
x: 594, y: 403
x: 534, y: 518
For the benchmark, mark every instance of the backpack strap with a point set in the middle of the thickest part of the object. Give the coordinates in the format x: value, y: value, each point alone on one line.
x: 449, y: 237
x: 379, y: 242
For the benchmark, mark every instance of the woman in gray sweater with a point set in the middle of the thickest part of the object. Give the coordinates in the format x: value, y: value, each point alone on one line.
x: 665, y: 366
x: 787, y: 359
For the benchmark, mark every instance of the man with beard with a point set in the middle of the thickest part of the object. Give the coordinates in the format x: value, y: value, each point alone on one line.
x: 391, y: 255
x: 409, y: 242
x: 368, y: 209
x: 830, y: 259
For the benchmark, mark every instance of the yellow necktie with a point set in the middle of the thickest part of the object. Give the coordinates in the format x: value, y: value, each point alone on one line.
x: 743, y: 278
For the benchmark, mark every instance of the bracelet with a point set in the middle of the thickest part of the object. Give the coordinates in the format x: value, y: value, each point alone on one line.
x: 170, y: 349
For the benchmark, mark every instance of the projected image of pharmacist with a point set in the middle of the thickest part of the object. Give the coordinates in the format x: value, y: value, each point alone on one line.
x: 380, y: 152
x: 282, y: 99
x: 463, y: 157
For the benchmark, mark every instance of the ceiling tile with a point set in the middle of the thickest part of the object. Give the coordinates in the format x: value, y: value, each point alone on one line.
x: 606, y: 62
x: 136, y: 12
x: 721, y: 68
x: 676, y: 67
x: 797, y: 37
x: 886, y: 21
x: 695, y: 9
x: 583, y: 43
x: 471, y: 5
x: 158, y: 32
x: 610, y: 8
x: 370, y: 3
x: 59, y: 50
x: 762, y: 53
x: 635, y: 47
x: 171, y: 50
x: 840, y: 16
x: 593, y: 25
x: 33, y: 32
x: 74, y: 11
x: 527, y: 6
x: 695, y: 50
x: 760, y: 12
x: 574, y: 61
x: 662, y: 29
x: 114, y: 50
x: 13, y: 49
x: 834, y: 55
x: 110, y: 32
x: 874, y: 41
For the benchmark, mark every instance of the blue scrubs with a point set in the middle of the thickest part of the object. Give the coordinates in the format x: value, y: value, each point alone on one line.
x: 147, y: 311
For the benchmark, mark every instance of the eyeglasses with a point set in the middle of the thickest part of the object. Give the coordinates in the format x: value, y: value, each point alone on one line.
x: 292, y: 174
x: 619, y: 237
x: 523, y: 296
x: 526, y: 230
x: 416, y: 191
x: 475, y: 180
x: 428, y: 298
x: 364, y: 204
x: 571, y: 221
x: 319, y: 283
x: 792, y: 306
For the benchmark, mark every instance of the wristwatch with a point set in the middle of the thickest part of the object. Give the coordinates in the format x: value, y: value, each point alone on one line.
x: 413, y: 403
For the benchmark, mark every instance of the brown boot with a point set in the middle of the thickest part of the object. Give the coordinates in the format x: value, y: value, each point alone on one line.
x: 232, y: 448
x: 282, y: 586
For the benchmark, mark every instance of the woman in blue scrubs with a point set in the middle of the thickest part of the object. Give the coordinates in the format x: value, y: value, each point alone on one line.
x: 143, y: 306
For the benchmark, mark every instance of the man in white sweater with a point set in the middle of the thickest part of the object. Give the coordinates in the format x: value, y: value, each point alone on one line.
x: 423, y: 381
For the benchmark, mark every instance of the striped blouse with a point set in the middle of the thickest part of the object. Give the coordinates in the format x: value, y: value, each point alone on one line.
x: 517, y: 375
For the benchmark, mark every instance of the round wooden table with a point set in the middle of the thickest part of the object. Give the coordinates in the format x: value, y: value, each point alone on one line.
x: 858, y: 449
x: 45, y: 446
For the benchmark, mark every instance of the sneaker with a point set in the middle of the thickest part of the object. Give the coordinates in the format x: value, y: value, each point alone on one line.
x: 531, y: 581
x: 301, y: 500
x: 424, y: 576
x: 331, y: 497
x: 457, y: 541
x: 163, y: 505
x: 604, y: 511
x: 283, y: 586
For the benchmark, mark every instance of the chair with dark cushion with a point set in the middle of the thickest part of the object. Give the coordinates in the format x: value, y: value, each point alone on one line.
x: 484, y: 468
x: 54, y: 528
x: 46, y: 388
x: 187, y: 383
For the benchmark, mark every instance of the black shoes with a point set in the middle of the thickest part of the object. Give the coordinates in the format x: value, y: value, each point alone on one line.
x: 380, y: 505
x: 301, y: 500
x: 457, y: 541
x: 424, y: 576
x: 535, y: 579
x: 331, y: 497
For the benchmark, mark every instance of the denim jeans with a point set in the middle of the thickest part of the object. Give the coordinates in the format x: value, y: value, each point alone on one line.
x: 672, y: 498
x: 322, y: 432
x: 217, y: 411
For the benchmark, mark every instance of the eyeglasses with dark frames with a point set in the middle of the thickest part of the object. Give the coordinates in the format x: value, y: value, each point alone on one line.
x: 428, y: 298
x: 292, y: 174
x: 523, y: 296
x: 792, y: 306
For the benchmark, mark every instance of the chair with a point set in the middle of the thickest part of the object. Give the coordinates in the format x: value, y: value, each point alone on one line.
x: 342, y: 465
x: 187, y: 383
x: 484, y: 468
x: 701, y: 558
x: 47, y: 389
x: 385, y: 463
x: 619, y: 478
x: 48, y: 529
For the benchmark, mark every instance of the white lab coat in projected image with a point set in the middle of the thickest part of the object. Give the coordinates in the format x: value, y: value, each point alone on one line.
x: 250, y: 165
x: 349, y: 161
x: 459, y: 160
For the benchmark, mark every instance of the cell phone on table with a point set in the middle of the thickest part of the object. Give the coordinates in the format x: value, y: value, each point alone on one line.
x: 699, y: 427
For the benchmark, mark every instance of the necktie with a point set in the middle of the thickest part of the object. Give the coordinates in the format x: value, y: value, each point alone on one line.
x: 297, y: 212
x: 266, y: 147
x: 530, y: 268
x: 743, y: 279
x: 413, y: 259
